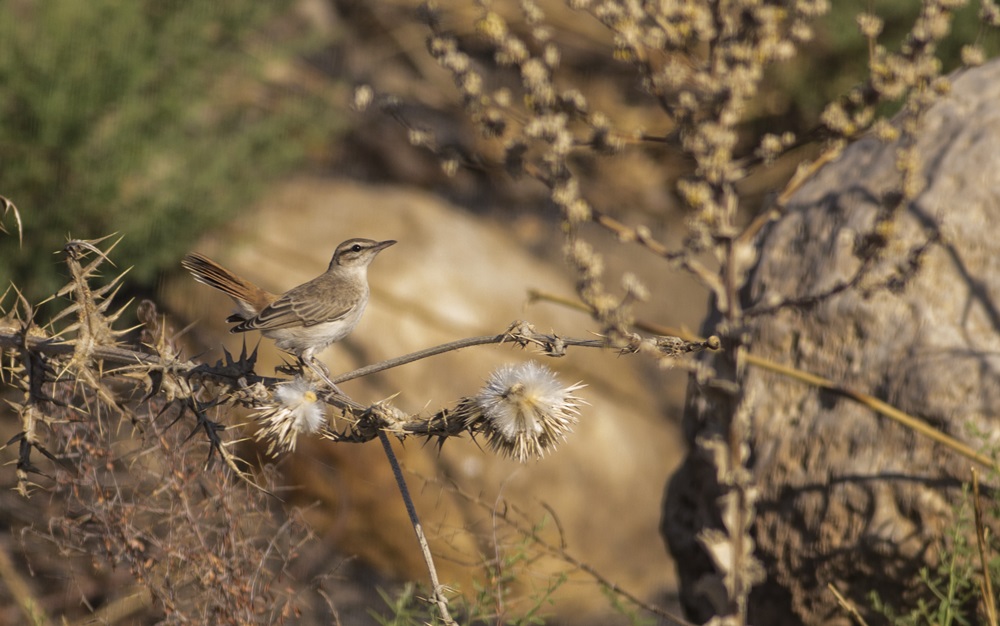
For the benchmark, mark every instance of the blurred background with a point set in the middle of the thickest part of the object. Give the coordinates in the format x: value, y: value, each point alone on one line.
x: 227, y: 127
x: 164, y: 120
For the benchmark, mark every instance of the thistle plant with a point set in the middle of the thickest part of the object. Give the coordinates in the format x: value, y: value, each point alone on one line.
x: 524, y: 410
x: 79, y: 369
x: 296, y: 410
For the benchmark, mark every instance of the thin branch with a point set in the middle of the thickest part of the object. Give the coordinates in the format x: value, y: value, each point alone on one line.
x: 137, y: 599
x: 420, y: 354
x: 643, y: 237
x: 883, y: 408
x: 561, y: 552
x: 847, y: 605
x: 437, y: 589
x: 539, y: 339
x: 801, y: 176
x: 57, y: 347
x: 655, y: 329
x: 986, y: 585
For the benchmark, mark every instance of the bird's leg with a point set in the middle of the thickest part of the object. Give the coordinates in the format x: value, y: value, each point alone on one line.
x: 321, y: 370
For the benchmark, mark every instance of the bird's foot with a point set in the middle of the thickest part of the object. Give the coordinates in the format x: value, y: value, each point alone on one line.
x: 320, y: 369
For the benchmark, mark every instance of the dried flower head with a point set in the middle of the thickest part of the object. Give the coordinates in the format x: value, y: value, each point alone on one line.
x: 525, y: 410
x: 298, y: 410
x: 364, y: 95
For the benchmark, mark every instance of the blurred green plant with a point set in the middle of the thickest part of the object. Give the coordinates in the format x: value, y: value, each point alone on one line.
x: 795, y: 98
x: 961, y: 589
x: 151, y: 118
x: 952, y: 585
x: 502, y: 598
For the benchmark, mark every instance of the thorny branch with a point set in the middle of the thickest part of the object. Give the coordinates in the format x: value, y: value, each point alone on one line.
x: 86, y: 354
x: 238, y: 374
x: 85, y: 359
x: 9, y: 208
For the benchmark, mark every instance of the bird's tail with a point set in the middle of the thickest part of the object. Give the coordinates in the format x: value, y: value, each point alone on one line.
x: 248, y: 296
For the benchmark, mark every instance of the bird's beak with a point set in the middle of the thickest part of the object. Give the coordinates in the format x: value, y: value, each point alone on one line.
x: 382, y: 245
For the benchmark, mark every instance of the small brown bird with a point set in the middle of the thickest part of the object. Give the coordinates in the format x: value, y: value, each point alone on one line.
x: 305, y: 319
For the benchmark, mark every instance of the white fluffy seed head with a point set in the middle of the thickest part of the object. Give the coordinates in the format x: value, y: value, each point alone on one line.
x: 525, y: 410
x: 298, y: 410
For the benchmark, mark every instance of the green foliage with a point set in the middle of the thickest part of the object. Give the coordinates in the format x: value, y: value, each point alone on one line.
x: 953, y: 588
x: 797, y: 97
x: 629, y: 611
x: 405, y: 609
x: 499, y: 599
x: 148, y: 118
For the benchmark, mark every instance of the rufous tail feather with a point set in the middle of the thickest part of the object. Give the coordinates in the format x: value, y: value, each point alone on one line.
x: 208, y: 272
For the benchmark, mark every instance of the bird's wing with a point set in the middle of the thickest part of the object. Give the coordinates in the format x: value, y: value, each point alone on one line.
x: 289, y: 312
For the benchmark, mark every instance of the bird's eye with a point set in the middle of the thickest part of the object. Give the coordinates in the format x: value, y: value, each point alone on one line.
x: 356, y: 247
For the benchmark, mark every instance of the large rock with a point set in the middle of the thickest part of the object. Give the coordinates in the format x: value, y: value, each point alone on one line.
x: 846, y: 496
x: 453, y: 275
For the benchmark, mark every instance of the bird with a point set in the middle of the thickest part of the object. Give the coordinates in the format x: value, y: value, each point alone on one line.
x: 305, y: 319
